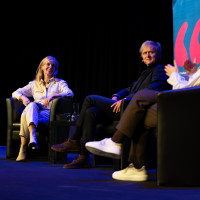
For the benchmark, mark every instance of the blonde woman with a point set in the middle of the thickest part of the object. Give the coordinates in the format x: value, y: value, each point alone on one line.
x: 43, y: 89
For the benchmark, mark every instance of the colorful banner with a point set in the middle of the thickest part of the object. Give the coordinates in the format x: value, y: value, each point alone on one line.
x: 186, y: 25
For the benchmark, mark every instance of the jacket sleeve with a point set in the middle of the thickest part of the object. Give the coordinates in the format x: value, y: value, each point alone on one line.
x: 64, y: 89
x: 159, y: 79
x: 121, y: 94
x: 26, y: 91
x: 156, y: 80
x: 178, y: 82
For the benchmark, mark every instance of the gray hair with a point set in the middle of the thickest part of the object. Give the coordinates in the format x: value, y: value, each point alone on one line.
x: 156, y: 45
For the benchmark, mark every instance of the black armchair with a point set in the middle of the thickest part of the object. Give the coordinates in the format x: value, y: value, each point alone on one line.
x: 178, y: 137
x: 14, y: 110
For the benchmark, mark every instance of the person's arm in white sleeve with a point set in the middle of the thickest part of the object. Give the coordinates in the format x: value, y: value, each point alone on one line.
x: 64, y: 89
x: 177, y: 81
x: 23, y: 94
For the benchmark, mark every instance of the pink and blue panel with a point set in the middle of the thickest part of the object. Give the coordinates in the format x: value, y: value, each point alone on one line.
x: 186, y: 25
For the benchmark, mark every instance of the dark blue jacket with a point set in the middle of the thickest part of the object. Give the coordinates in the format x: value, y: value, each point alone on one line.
x: 154, y: 77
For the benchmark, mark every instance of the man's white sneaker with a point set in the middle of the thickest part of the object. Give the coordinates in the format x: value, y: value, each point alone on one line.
x: 131, y: 174
x: 105, y: 147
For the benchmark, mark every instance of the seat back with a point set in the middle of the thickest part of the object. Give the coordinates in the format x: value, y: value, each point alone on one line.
x: 178, y: 137
x: 14, y: 110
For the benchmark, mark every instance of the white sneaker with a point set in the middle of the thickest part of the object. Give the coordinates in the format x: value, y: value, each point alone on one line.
x: 131, y: 174
x: 105, y: 147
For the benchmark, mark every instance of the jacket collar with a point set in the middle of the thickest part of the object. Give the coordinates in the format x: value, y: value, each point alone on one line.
x: 48, y: 82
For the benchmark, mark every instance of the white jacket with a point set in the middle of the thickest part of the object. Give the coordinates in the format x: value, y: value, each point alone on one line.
x: 39, y: 92
x: 178, y: 82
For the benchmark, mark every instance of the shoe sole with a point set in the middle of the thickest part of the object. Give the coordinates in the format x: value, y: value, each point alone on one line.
x: 65, y: 151
x: 102, y: 153
x: 21, y: 160
x: 135, y: 178
x: 75, y: 167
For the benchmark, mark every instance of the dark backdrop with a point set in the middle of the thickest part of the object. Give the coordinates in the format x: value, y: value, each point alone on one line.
x: 96, y: 43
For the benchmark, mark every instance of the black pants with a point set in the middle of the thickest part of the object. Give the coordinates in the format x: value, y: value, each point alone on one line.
x: 95, y: 109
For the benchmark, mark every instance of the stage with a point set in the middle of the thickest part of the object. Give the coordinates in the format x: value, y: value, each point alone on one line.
x: 38, y: 179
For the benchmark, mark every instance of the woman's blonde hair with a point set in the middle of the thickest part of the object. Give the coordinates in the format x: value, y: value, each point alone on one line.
x: 39, y: 72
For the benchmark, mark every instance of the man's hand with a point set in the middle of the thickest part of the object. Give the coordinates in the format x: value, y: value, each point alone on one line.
x: 116, y: 106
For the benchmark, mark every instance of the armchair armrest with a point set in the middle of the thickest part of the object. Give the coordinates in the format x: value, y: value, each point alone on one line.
x: 181, y: 105
x: 14, y: 110
x: 123, y: 106
x: 60, y: 106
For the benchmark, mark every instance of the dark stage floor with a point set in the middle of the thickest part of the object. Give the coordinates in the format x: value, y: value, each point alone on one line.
x: 42, y: 180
